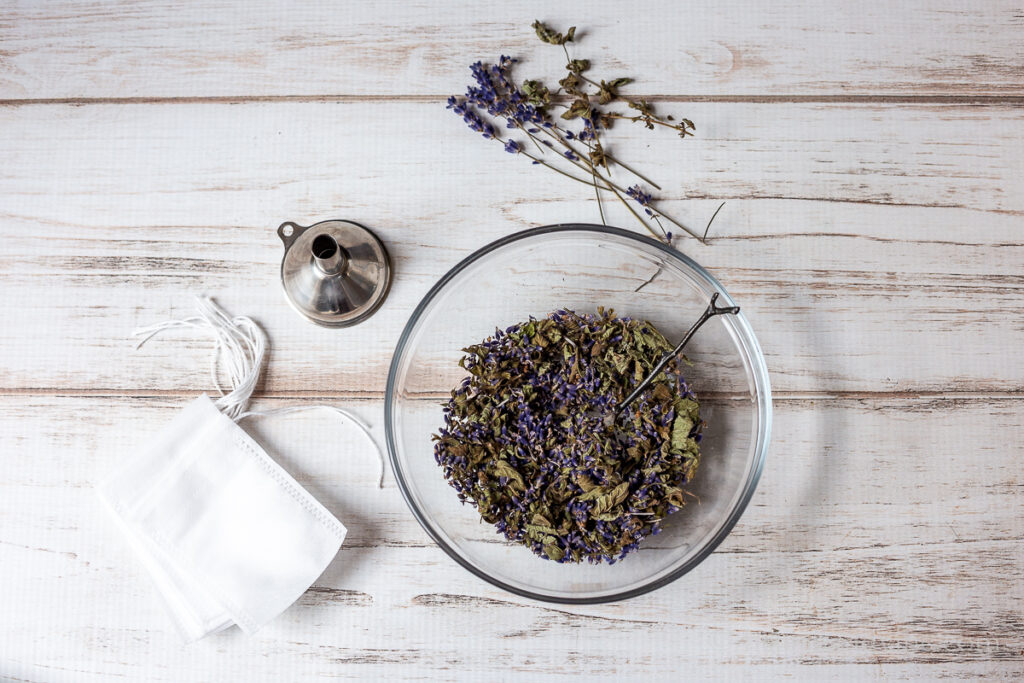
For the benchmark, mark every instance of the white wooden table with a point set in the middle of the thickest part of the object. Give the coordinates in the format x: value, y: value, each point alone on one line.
x: 871, y: 156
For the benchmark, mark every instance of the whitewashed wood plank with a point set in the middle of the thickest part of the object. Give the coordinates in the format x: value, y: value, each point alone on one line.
x: 885, y: 259
x: 921, y: 469
x: 857, y: 552
x: 791, y: 48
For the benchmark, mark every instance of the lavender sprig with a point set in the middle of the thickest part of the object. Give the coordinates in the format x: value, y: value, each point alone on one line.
x: 494, y: 103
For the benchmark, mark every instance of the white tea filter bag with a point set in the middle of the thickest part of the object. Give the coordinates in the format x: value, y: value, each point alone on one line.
x: 227, y: 536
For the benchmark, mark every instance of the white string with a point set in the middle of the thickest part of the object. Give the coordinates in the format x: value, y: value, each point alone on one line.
x: 242, y: 345
x: 357, y: 421
x: 240, y: 342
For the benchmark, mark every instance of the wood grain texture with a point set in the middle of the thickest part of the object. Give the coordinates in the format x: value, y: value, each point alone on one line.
x: 846, y: 561
x: 790, y: 48
x: 832, y: 240
x: 870, y: 157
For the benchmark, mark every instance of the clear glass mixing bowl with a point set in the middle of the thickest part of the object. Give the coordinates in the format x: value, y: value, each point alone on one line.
x: 580, y: 267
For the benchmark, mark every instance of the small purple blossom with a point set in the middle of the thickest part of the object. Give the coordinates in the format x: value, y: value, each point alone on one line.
x: 639, y: 196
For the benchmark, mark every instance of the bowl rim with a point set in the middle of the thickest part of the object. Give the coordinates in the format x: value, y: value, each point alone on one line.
x: 763, y: 414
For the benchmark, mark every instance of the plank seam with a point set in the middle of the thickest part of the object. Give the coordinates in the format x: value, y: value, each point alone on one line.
x: 976, y: 100
x: 379, y: 395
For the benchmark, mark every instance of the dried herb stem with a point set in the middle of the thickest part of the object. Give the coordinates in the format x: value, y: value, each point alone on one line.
x: 644, y: 223
x: 652, y: 119
x: 536, y: 142
x: 710, y: 221
x: 589, y: 167
x: 632, y: 170
x: 676, y: 223
x: 554, y: 134
x: 600, y: 204
x: 556, y: 169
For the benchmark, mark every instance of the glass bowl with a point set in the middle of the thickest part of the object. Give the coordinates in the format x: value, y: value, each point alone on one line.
x: 580, y: 267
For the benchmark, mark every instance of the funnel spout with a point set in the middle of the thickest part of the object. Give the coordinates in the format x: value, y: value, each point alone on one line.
x: 327, y: 255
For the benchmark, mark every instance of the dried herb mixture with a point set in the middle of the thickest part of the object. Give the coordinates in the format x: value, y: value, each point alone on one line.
x: 528, y: 439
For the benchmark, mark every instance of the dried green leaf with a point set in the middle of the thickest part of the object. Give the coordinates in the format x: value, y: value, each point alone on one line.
x: 608, y: 91
x: 687, y: 407
x: 552, y: 37
x: 502, y: 468
x: 536, y: 93
x: 546, y: 34
x: 554, y: 552
x: 579, y: 107
x: 593, y: 494
x: 690, y: 463
x: 539, y: 533
x: 643, y: 107
x: 681, y: 428
x: 578, y: 66
x: 584, y: 481
x: 608, y: 517
x: 615, y: 497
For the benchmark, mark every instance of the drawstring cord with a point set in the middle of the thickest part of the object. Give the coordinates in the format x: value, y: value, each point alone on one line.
x: 241, y: 346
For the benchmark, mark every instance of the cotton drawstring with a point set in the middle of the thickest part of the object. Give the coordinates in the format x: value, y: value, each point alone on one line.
x: 357, y: 421
x: 241, y: 345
